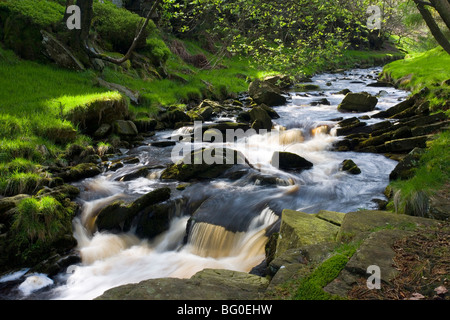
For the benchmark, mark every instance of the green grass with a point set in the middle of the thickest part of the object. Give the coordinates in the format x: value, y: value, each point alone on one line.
x: 432, y: 174
x: 428, y: 69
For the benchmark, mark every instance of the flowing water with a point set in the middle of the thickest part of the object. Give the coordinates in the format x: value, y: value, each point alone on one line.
x: 233, y: 217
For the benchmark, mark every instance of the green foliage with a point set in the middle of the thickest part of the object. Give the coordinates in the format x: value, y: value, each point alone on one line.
x: 157, y: 50
x: 286, y: 35
x: 118, y: 27
x: 39, y: 220
x: 42, y: 13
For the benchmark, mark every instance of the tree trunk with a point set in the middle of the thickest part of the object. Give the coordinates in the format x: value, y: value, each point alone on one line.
x: 87, y: 12
x: 432, y: 25
x: 443, y: 8
x: 68, y: 4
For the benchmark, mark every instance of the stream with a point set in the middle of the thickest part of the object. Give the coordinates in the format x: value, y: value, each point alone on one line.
x: 236, y: 216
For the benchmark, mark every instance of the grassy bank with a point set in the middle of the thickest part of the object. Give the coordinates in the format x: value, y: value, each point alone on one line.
x: 427, y: 72
x: 428, y: 69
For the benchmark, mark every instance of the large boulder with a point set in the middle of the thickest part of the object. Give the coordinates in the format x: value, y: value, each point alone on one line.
x: 290, y: 161
x: 265, y: 92
x: 358, y: 102
x: 260, y: 119
x: 118, y: 216
x: 202, y: 164
x: 208, y: 284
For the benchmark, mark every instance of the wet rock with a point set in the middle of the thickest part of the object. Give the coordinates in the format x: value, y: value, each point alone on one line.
x: 208, y: 284
x: 323, y: 101
x: 162, y: 144
x: 343, y: 91
x: 290, y: 161
x: 406, y: 167
x: 303, y: 87
x: 260, y: 119
x: 154, y: 219
x: 380, y: 84
x: 125, y: 128
x: 350, y: 167
x: 204, y: 164
x: 80, y: 171
x: 138, y: 173
x: 349, y: 126
x: 265, y: 93
x: 358, y: 102
x: 118, y: 216
x: 406, y: 145
x: 279, y: 81
x: 271, y: 112
x: 428, y: 129
x: 398, y: 108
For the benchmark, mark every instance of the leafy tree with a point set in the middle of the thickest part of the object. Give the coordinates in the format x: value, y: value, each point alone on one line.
x: 443, y: 9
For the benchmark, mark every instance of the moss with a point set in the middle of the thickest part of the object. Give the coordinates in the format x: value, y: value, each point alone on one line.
x: 118, y: 26
x: 311, y: 287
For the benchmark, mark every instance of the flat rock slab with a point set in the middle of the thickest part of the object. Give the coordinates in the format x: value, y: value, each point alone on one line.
x: 299, y: 229
x: 377, y: 251
x: 208, y: 284
x: 359, y: 224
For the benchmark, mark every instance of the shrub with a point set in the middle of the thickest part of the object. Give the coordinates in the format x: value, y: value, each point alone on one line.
x: 156, y: 50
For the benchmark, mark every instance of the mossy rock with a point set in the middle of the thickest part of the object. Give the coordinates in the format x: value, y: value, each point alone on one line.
x: 208, y: 284
x: 104, y: 109
x: 80, y: 171
x: 358, y: 102
x: 299, y: 229
x: 265, y: 93
x: 350, y: 167
x: 359, y: 224
x: 197, y: 166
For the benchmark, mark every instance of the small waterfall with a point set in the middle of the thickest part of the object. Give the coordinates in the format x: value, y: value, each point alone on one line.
x: 215, y: 241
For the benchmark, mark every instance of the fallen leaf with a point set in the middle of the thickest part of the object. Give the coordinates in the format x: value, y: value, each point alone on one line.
x: 416, y: 296
x: 441, y: 290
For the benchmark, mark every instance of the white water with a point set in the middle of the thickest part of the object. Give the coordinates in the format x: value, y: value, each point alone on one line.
x: 110, y: 260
